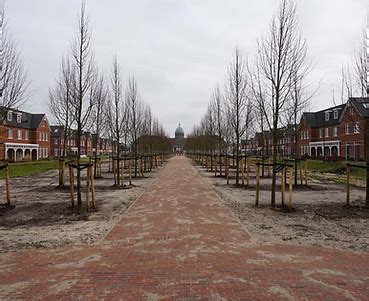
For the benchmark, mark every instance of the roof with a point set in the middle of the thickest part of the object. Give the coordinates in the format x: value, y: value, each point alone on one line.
x: 28, y: 120
x: 361, y: 104
x: 318, y: 119
x: 179, y: 130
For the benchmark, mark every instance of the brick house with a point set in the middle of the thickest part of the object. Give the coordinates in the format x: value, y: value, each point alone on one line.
x: 88, y: 146
x: 23, y: 136
x: 336, y: 132
x: 285, y: 145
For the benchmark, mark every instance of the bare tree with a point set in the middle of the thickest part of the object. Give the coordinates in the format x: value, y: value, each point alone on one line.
x: 14, y: 84
x: 237, y: 101
x: 116, y: 112
x: 280, y: 53
x: 60, y: 98
x: 218, y: 109
x: 135, y: 117
x: 85, y: 76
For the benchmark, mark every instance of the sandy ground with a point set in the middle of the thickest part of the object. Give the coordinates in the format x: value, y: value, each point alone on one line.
x: 320, y: 217
x: 43, y: 216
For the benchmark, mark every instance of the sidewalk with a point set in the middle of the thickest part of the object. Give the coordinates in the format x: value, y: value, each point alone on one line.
x: 178, y: 241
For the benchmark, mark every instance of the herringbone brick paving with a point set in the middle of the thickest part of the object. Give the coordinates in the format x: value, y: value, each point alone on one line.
x: 178, y: 241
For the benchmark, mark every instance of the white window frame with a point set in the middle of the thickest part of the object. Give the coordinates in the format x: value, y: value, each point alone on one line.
x: 26, y: 135
x: 19, y: 117
x: 10, y: 133
x: 357, y: 127
x: 320, y: 133
x: 347, y: 129
x: 335, y: 114
x: 335, y: 131
x: 326, y: 132
x: 326, y: 116
x: 9, y: 116
x: 19, y: 134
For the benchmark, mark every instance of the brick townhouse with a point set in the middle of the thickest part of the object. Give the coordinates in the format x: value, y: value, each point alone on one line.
x: 88, y: 147
x: 336, y: 132
x: 285, y: 144
x: 23, y: 136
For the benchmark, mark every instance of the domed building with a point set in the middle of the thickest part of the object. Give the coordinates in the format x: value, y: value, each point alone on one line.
x: 179, y: 140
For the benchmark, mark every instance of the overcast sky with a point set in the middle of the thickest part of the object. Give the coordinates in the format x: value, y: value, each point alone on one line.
x: 178, y: 49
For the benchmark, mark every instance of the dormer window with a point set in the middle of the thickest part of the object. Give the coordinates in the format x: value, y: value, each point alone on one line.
x: 10, y: 116
x: 19, y: 117
x: 335, y: 114
x: 326, y: 116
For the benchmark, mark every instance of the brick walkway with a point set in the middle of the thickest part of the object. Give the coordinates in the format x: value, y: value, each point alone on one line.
x: 178, y: 241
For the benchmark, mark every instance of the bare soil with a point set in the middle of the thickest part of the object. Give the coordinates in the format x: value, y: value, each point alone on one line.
x: 41, y: 214
x: 319, y: 217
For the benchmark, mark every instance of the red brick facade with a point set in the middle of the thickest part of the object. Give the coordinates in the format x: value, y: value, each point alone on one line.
x: 24, y: 136
x: 335, y: 133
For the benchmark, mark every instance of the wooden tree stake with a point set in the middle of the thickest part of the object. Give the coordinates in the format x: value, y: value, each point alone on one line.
x: 348, y: 171
x: 7, y: 185
x: 291, y: 186
x: 257, y: 185
x: 71, y: 183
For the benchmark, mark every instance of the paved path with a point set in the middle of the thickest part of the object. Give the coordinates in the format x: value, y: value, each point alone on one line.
x: 178, y: 241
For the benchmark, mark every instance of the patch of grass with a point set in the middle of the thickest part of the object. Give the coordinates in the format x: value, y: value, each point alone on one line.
x: 22, y: 169
x: 339, y: 168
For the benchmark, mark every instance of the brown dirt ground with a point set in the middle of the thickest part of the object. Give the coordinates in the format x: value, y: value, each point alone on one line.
x: 43, y: 217
x: 320, y: 217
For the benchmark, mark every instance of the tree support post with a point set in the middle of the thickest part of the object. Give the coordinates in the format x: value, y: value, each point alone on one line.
x: 257, y: 184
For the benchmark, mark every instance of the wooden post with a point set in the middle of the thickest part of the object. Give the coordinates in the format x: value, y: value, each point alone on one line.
x: 92, y: 190
x: 348, y: 170
x: 257, y: 184
x: 306, y: 178
x: 122, y: 172
x: 301, y: 179
x: 243, y: 170
x: 141, y: 167
x: 248, y: 171
x: 7, y: 185
x: 291, y: 186
x: 283, y: 185
x: 61, y: 173
x: 88, y: 187
x: 129, y: 171
x: 114, y: 173
x: 227, y: 169
x: 71, y: 183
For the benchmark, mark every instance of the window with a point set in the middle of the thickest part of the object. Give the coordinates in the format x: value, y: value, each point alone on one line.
x: 26, y: 135
x: 347, y: 129
x: 307, y: 135
x: 19, y: 117
x: 46, y: 137
x: 356, y: 128
x: 335, y: 114
x: 56, y: 141
x: 335, y: 131
x: 10, y: 133
x: 326, y: 132
x: 351, y: 111
x: 10, y: 116
x: 320, y: 133
x: 19, y: 134
x: 326, y: 116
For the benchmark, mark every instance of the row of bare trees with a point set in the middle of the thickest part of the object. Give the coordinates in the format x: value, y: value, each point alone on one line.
x: 264, y: 95
x: 83, y: 99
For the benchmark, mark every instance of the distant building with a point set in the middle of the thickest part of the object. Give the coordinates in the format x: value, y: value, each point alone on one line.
x: 23, y: 136
x: 89, y: 144
x: 179, y: 140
